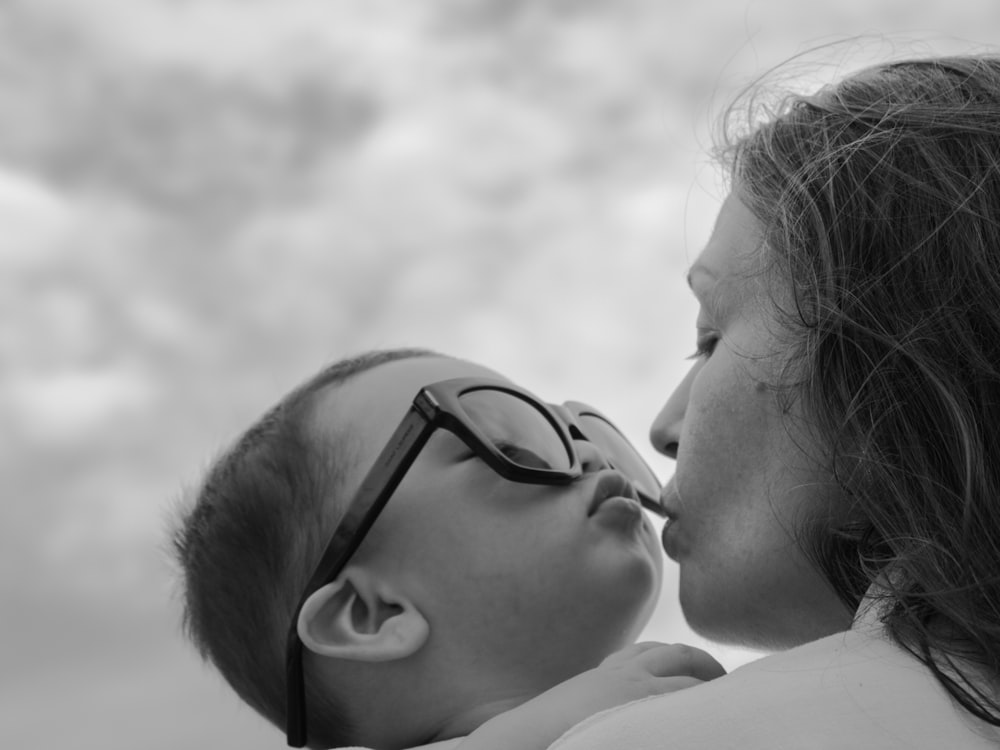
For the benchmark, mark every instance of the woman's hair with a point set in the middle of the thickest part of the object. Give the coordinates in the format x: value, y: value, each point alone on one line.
x: 879, y: 199
x: 248, y: 543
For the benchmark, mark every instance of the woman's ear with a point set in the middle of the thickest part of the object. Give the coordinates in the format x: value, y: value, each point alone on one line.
x: 359, y: 617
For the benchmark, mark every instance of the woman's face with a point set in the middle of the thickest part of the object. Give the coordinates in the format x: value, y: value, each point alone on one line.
x: 744, y: 486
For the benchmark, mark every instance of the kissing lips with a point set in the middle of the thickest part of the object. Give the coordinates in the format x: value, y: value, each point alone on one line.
x: 668, y: 538
x: 615, y: 504
x: 669, y: 499
x: 612, y: 485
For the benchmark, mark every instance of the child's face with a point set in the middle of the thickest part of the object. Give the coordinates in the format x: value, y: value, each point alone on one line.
x: 514, y: 579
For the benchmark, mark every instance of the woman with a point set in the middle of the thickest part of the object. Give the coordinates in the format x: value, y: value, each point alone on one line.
x: 837, y: 490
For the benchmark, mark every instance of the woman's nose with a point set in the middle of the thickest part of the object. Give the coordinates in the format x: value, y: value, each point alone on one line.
x: 591, y: 457
x: 665, y: 434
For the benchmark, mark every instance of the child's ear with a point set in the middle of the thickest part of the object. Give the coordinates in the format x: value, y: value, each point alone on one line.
x: 359, y: 617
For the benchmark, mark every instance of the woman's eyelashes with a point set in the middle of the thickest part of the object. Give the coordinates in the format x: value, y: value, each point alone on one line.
x: 705, y: 343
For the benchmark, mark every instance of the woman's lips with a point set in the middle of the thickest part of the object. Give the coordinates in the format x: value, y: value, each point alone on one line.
x: 668, y: 539
x: 669, y: 499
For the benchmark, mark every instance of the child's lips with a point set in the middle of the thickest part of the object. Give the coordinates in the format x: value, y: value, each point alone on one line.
x: 612, y: 485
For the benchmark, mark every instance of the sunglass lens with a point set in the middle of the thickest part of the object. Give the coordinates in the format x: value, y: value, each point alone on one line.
x: 518, y: 429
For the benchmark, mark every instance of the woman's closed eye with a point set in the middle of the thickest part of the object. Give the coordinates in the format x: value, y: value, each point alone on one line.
x: 705, y: 343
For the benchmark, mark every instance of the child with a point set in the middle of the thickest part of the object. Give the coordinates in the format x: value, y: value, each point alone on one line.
x: 510, y: 554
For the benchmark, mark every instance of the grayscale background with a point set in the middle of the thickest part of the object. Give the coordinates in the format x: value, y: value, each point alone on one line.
x: 204, y: 201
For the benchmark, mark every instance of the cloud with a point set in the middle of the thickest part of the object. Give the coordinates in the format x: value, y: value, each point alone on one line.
x: 66, y: 405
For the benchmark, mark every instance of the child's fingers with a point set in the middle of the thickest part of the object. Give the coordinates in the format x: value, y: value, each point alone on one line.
x: 668, y: 660
x: 629, y: 652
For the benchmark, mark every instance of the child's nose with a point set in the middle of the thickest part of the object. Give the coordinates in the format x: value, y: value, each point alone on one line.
x: 592, y: 458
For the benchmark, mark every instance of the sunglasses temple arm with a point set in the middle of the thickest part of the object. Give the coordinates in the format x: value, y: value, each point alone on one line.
x: 376, y: 488
x: 374, y: 492
x: 295, y: 711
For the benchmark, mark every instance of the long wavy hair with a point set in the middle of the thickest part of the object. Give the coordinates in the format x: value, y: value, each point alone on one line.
x: 880, y: 202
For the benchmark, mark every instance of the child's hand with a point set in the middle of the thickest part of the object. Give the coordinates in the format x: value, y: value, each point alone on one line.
x: 663, y: 660
x: 639, y: 671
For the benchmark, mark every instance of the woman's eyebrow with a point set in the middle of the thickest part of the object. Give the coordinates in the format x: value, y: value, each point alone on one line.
x: 718, y: 295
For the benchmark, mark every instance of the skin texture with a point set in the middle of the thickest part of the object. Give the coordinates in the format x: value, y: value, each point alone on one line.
x: 518, y: 586
x: 745, y: 485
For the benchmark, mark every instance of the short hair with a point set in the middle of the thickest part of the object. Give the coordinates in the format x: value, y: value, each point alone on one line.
x: 880, y: 203
x: 248, y: 543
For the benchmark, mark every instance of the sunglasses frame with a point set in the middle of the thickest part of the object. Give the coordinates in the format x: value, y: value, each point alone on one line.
x: 436, y: 406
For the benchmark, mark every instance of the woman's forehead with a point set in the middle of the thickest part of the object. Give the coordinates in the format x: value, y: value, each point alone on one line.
x: 734, y: 242
x: 719, y: 277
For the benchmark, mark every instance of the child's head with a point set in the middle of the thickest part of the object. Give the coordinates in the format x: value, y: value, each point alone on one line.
x: 470, y: 594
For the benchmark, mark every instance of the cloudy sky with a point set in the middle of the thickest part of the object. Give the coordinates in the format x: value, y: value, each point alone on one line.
x: 203, y: 201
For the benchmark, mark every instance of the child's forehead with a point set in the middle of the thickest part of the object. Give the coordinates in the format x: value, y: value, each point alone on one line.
x: 412, y: 374
x: 370, y: 405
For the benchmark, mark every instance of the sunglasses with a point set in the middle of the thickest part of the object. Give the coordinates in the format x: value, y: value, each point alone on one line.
x: 521, y: 438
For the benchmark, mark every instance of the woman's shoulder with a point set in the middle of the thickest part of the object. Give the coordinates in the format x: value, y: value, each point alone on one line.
x: 852, y: 689
x: 442, y: 745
